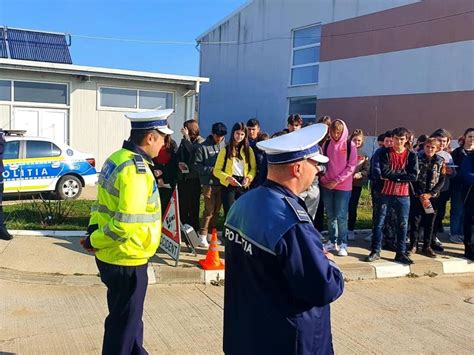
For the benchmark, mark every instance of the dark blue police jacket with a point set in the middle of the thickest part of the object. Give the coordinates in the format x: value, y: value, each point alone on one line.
x: 278, y: 282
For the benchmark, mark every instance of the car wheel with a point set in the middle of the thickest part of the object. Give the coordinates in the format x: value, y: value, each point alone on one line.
x: 69, y: 187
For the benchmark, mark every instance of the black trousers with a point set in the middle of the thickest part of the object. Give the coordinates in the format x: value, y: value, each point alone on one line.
x: 442, y: 202
x: 126, y: 290
x: 319, y: 218
x: 2, y: 217
x: 353, y: 203
x: 230, y: 194
x: 189, y: 194
x: 468, y: 221
x: 419, y: 219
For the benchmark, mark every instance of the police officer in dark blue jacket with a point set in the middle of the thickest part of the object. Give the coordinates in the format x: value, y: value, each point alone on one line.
x: 279, y: 282
x: 3, y: 229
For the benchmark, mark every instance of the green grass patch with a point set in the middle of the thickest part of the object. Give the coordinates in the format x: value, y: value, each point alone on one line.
x: 74, y: 215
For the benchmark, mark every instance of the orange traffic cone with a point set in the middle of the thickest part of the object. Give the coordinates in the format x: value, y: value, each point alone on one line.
x: 212, y: 261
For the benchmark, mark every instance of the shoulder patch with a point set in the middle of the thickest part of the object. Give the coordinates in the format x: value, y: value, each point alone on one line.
x: 300, y: 212
x: 107, y: 169
x: 139, y: 164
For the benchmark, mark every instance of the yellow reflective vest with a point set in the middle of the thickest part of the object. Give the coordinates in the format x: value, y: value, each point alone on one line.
x: 127, y: 210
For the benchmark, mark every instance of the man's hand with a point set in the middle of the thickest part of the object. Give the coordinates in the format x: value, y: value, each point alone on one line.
x: 157, y: 173
x: 86, y: 244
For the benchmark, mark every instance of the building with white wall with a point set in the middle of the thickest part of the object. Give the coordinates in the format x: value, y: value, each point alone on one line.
x: 375, y: 64
x: 84, y: 106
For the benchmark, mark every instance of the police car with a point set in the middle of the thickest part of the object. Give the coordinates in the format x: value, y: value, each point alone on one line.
x: 34, y: 164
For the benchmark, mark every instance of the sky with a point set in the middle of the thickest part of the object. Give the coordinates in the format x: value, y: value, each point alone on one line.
x: 126, y: 21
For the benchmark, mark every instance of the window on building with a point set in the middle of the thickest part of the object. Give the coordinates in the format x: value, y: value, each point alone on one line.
x: 41, y: 149
x: 132, y: 98
x: 26, y: 91
x: 121, y: 98
x: 155, y: 99
x: 305, y: 106
x: 5, y: 90
x: 305, y: 56
x: 12, y: 150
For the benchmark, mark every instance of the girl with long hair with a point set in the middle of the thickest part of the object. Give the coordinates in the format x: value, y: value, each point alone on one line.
x: 235, y: 166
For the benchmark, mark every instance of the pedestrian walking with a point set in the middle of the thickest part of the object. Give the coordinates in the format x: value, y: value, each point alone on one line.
x: 125, y: 229
x: 279, y: 281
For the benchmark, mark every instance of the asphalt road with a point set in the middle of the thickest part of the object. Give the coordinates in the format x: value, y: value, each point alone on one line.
x: 422, y: 315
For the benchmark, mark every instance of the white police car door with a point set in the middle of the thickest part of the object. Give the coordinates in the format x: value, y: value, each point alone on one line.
x: 12, y: 172
x: 41, y: 166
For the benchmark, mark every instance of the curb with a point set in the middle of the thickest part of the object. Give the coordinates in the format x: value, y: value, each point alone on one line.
x: 159, y: 273
x: 47, y: 232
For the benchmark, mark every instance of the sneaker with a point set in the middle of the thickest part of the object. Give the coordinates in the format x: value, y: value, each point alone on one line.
x: 342, y: 250
x: 203, y: 241
x: 403, y: 259
x: 329, y: 246
x: 374, y: 255
x: 209, y: 236
x: 350, y: 235
x: 437, y: 241
x: 368, y: 238
x: 457, y: 239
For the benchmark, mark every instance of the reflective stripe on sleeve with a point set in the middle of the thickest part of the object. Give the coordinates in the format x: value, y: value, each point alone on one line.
x: 137, y: 218
x: 113, y: 235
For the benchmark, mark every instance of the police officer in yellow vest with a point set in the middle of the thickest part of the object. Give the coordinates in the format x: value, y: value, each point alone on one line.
x: 125, y: 229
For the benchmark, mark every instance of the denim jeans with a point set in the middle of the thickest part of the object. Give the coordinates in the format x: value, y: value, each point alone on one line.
x: 401, y: 205
x: 336, y: 203
x: 457, y: 206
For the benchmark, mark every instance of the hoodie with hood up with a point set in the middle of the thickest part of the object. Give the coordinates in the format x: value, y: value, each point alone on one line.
x: 339, y: 167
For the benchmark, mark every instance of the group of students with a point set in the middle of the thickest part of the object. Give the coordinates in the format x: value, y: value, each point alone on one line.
x: 410, y: 183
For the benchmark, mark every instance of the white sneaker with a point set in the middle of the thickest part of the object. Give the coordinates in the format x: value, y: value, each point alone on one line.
x: 457, y: 239
x: 203, y: 241
x: 350, y: 235
x: 368, y: 238
x: 329, y: 246
x: 209, y: 237
x: 342, y: 250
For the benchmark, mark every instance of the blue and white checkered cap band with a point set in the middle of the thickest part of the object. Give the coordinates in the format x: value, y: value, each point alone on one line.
x: 288, y: 157
x: 149, y: 124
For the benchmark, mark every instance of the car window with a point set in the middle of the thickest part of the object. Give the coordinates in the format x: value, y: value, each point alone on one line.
x: 11, y: 150
x: 41, y: 149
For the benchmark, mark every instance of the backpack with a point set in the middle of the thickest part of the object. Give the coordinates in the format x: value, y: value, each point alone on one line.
x: 348, y: 150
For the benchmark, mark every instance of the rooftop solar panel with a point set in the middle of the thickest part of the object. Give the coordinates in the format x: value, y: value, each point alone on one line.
x: 3, y: 44
x: 38, y: 46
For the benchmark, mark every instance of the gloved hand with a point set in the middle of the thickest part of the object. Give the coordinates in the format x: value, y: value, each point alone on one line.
x: 86, y: 244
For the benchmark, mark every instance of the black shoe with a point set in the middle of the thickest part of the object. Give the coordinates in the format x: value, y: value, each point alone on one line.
x: 374, y: 255
x: 5, y: 235
x: 437, y: 247
x: 404, y: 259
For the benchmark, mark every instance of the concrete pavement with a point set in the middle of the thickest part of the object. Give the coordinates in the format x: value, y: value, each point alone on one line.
x: 397, y: 316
